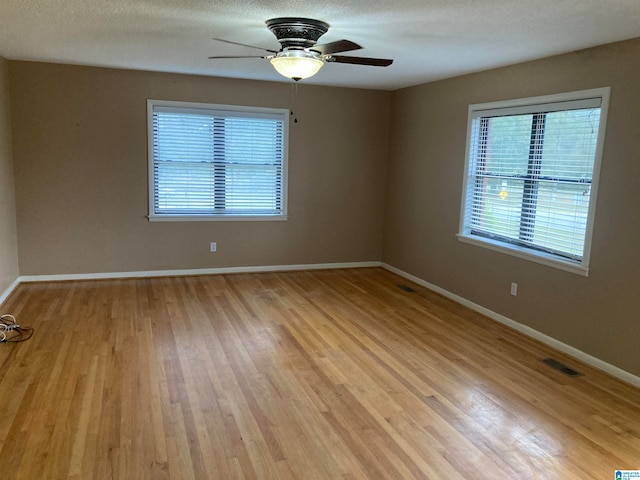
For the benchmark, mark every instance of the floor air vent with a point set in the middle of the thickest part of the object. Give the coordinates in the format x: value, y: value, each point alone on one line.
x: 561, y: 367
x: 406, y: 288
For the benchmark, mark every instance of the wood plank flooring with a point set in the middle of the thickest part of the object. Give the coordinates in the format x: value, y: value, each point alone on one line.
x: 333, y: 374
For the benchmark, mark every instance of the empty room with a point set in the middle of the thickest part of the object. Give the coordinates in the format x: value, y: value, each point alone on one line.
x: 319, y: 240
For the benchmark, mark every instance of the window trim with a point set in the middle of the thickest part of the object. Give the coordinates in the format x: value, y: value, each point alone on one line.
x: 515, y: 106
x: 194, y: 106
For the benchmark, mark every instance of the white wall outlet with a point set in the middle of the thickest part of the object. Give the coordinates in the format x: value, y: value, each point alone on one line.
x: 213, y: 246
x: 514, y: 288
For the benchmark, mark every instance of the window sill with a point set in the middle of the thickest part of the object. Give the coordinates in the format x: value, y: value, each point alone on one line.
x: 219, y: 218
x: 526, y: 254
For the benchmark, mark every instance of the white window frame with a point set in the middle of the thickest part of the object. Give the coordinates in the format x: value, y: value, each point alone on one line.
x: 194, y: 106
x: 465, y: 234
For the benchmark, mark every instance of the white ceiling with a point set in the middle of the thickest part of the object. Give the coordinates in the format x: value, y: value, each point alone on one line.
x: 428, y: 39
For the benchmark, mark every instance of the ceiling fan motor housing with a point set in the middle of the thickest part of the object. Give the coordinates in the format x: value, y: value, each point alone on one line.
x: 299, y: 56
x: 297, y: 32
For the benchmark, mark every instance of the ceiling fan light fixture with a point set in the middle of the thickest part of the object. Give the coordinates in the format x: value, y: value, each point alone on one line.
x: 297, y: 64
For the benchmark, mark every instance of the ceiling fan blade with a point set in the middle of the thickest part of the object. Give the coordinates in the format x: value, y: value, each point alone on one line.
x: 336, y: 47
x: 244, y: 45
x: 374, y: 62
x: 236, y: 56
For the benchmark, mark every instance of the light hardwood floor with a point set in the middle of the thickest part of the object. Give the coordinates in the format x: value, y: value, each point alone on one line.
x: 305, y: 375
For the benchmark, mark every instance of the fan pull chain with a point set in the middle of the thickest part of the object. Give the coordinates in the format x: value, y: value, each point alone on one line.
x: 294, y: 99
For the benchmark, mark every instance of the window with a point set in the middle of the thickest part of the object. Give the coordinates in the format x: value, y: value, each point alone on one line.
x: 216, y: 162
x: 531, y: 176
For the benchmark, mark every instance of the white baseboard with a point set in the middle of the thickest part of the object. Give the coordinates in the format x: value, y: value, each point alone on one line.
x: 195, y: 271
x: 530, y: 332
x: 4, y: 295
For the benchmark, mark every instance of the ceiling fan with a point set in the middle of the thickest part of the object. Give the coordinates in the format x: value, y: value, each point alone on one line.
x: 299, y: 56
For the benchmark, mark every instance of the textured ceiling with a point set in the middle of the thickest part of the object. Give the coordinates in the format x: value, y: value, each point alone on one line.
x: 428, y: 39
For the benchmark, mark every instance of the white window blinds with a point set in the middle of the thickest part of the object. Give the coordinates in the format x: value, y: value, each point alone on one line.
x: 215, y: 162
x: 530, y: 176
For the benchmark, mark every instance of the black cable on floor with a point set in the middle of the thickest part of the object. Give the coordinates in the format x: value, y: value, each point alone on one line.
x: 11, y: 332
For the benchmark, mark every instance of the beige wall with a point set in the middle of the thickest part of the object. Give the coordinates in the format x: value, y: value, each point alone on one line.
x: 80, y: 148
x: 8, y: 237
x: 599, y: 315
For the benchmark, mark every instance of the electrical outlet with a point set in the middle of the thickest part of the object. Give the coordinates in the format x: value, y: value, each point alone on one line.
x: 213, y: 246
x: 514, y: 288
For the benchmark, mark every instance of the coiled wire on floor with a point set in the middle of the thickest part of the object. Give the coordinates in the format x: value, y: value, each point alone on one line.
x: 10, y: 331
